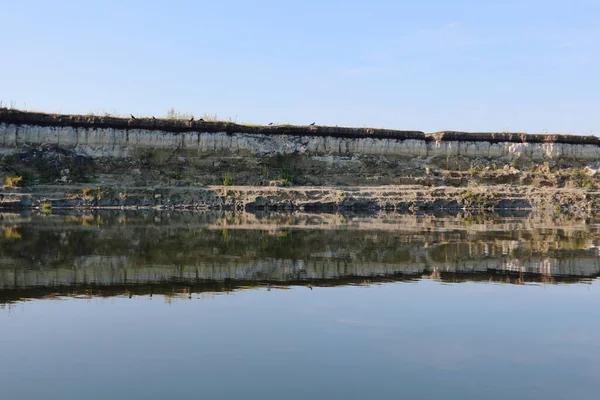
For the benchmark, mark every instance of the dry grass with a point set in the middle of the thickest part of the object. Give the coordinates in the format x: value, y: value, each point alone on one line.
x: 13, y: 181
x: 174, y: 114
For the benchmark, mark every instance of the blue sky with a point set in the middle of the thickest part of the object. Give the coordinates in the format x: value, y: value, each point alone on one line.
x: 430, y: 65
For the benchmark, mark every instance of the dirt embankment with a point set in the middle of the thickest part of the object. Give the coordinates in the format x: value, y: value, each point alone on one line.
x: 91, y: 161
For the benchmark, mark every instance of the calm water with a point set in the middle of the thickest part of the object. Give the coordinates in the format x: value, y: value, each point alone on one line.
x: 161, y: 306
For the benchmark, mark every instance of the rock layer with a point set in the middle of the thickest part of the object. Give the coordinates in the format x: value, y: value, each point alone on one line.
x: 130, y: 158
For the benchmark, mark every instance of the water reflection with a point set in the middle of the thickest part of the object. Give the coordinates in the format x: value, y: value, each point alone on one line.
x: 182, y: 254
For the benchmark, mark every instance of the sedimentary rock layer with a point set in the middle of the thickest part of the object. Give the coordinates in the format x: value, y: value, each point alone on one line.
x: 74, y: 161
x: 118, y: 137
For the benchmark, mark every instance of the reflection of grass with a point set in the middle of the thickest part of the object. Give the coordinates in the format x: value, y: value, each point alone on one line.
x: 12, y: 232
x: 87, y: 220
x: 226, y: 236
x: 472, y: 219
x: 46, y: 208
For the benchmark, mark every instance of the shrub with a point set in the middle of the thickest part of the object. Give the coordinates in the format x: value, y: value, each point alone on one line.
x: 227, y: 180
x: 13, y: 181
x: 87, y: 192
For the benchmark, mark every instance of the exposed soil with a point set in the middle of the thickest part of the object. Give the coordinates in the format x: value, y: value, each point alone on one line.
x: 56, y: 176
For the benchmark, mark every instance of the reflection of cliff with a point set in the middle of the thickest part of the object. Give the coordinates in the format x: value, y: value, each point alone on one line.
x: 99, y: 252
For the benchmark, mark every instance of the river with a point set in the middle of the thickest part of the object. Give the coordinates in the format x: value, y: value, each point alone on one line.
x: 161, y: 305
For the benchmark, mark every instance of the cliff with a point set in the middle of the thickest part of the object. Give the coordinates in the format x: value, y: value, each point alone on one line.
x: 120, y: 155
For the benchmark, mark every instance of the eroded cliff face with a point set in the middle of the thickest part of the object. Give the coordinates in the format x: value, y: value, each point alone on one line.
x: 120, y: 153
x: 123, y: 143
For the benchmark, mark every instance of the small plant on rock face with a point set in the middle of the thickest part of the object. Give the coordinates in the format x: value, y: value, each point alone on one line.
x: 87, y: 192
x: 13, y: 181
x: 557, y: 210
x: 227, y: 179
x: 46, y: 208
x: 265, y: 172
x: 287, y: 174
x: 175, y: 175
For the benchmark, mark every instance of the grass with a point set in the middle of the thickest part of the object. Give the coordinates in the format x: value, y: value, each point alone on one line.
x: 106, y: 113
x: 288, y: 174
x: 580, y: 178
x: 12, y: 105
x: 13, y: 181
x: 175, y: 175
x: 483, y: 199
x: 474, y: 171
x: 176, y: 115
x: 87, y: 192
x: 227, y: 179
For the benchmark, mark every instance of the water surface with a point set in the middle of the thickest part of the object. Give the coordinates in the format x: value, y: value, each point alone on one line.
x: 155, y: 306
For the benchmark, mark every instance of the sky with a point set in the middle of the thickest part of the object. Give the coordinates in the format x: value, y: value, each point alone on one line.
x: 507, y: 65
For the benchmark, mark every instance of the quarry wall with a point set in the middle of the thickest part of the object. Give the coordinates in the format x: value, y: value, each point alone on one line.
x: 118, y: 137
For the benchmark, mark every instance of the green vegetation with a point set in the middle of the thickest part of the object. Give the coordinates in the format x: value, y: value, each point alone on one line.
x: 474, y: 171
x: 175, y: 175
x: 557, y: 210
x: 287, y: 173
x: 46, y: 208
x: 226, y: 236
x: 480, y: 200
x: 13, y: 181
x: 227, y: 179
x: 276, y: 174
x: 11, y: 232
x: 579, y: 177
x: 89, y: 193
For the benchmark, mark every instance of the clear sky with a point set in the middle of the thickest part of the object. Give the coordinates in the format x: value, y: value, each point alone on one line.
x: 429, y: 65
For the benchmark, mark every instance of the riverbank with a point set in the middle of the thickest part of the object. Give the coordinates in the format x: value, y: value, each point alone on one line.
x: 74, y: 161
